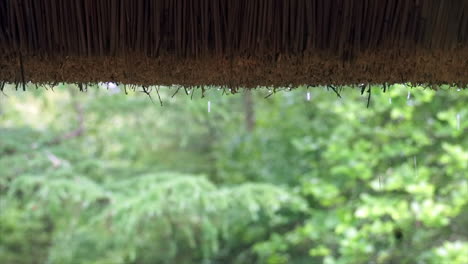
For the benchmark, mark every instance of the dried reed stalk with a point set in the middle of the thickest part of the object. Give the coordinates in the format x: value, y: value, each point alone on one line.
x: 252, y: 32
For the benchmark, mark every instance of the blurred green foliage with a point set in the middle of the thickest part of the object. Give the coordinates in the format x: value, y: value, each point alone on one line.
x: 326, y: 181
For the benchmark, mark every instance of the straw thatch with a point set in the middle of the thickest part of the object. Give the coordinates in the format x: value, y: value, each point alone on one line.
x: 234, y: 42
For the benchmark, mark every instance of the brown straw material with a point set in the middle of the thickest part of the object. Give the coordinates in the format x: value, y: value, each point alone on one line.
x: 234, y: 42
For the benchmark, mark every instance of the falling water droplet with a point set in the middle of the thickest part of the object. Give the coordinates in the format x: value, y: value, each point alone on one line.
x: 390, y: 100
x: 308, y: 96
x: 415, y: 166
x: 458, y: 121
x: 458, y: 89
x: 188, y: 92
x: 409, y: 95
x: 209, y: 106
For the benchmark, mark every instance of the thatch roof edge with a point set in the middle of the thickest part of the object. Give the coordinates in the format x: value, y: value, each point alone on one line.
x: 384, y: 66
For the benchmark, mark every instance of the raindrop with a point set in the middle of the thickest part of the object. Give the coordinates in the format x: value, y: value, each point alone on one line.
x: 390, y: 100
x: 111, y: 85
x: 458, y: 121
x: 410, y: 101
x: 458, y: 89
x: 308, y: 96
x: 209, y: 106
x: 415, y: 165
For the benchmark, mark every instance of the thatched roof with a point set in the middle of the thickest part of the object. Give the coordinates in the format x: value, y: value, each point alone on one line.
x: 234, y: 42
